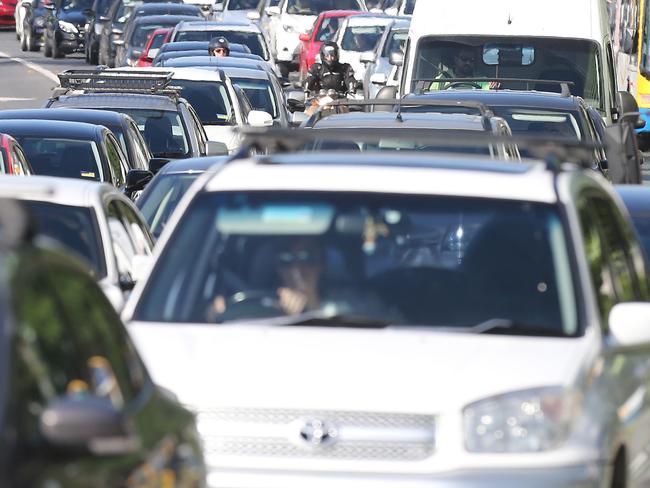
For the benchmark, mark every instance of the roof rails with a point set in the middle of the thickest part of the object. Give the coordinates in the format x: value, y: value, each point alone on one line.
x: 564, y: 85
x: 118, y: 81
x: 554, y: 151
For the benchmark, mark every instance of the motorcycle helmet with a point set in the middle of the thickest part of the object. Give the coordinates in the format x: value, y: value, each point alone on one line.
x: 221, y: 44
x: 329, y: 53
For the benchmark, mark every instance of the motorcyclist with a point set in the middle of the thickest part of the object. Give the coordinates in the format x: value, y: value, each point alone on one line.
x: 219, y: 46
x: 330, y: 74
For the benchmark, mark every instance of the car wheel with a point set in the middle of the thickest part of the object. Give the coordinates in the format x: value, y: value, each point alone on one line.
x: 23, y: 41
x: 56, y: 50
x: 93, y: 55
x: 47, y: 50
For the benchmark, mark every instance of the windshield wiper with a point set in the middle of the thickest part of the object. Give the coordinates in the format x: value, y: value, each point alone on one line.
x: 512, y: 327
x: 318, y: 318
x: 170, y: 154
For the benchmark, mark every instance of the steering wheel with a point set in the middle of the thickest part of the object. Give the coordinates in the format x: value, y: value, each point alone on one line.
x: 462, y: 84
x: 252, y: 303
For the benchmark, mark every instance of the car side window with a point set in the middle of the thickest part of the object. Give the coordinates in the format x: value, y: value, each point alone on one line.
x: 115, y: 161
x: 202, y: 136
x: 123, y: 245
x: 138, y: 229
x: 21, y: 166
x: 139, y: 146
x: 611, y: 254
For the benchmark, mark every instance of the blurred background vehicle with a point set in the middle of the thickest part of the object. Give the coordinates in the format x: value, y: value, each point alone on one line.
x: 156, y: 39
x: 7, y: 13
x: 12, y: 157
x: 97, y: 19
x: 377, y: 64
x: 30, y: 22
x: 65, y: 27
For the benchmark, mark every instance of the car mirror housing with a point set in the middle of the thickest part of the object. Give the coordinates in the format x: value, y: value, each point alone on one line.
x: 396, y: 59
x: 216, y: 148
x: 258, y: 118
x: 136, y: 180
x: 628, y: 324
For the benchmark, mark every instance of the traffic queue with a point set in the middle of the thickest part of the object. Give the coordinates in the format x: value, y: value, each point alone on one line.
x: 289, y: 243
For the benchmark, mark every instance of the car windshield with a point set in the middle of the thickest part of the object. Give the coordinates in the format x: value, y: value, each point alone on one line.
x: 69, y: 5
x: 161, y: 197
x: 260, y: 93
x: 316, y: 7
x: 362, y: 38
x: 68, y: 158
x: 243, y: 4
x: 162, y: 129
x: 412, y: 261
x: 571, y: 60
x: 210, y: 99
x: 395, y: 42
x: 74, y: 227
x: 253, y: 40
x: 328, y: 29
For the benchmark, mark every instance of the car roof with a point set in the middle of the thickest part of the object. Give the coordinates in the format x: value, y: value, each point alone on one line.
x: 369, y: 19
x: 221, y: 26
x: 116, y: 100
x: 636, y: 198
x: 251, y: 73
x: 61, y: 191
x: 162, y: 19
x: 409, y: 120
x: 192, y: 165
x: 515, y: 98
x: 215, y: 61
x: 170, y: 7
x: 101, y: 117
x: 188, y: 73
x: 45, y: 128
x: 411, y: 174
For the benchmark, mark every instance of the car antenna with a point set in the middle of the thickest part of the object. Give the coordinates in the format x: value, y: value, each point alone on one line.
x: 399, y: 117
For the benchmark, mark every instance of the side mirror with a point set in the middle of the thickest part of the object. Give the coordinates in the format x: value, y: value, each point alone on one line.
x: 126, y: 282
x: 214, y: 148
x: 378, y: 79
x: 396, y: 59
x: 628, y: 108
x: 155, y: 164
x: 140, y: 265
x: 254, y: 16
x: 84, y: 423
x: 296, y: 119
x: 136, y: 180
x: 294, y: 105
x: 367, y: 58
x: 628, y: 324
x: 258, y: 118
x: 271, y: 11
x: 304, y: 37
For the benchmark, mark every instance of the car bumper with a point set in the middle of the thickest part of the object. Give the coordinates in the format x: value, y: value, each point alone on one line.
x: 580, y: 476
x: 7, y: 13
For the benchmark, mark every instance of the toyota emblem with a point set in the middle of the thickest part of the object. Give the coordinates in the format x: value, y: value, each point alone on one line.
x: 314, y: 432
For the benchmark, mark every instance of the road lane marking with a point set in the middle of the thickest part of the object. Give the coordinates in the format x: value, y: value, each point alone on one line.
x: 15, y: 99
x: 48, y: 74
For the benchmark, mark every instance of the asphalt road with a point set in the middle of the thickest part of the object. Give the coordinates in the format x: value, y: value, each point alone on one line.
x: 27, y: 78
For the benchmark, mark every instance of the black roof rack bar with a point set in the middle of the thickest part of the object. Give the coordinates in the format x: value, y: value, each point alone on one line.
x: 553, y: 151
x: 480, y: 107
x: 125, y: 81
x: 564, y: 84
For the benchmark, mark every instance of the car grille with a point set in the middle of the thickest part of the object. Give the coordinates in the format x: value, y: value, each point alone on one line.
x: 316, y: 434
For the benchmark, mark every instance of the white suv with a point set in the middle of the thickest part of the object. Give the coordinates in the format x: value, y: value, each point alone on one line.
x: 403, y: 320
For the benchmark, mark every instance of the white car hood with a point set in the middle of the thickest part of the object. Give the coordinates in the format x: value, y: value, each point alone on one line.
x: 348, y: 369
x: 225, y: 134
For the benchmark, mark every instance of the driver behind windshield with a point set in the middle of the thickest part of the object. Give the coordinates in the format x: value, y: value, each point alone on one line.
x: 464, y: 65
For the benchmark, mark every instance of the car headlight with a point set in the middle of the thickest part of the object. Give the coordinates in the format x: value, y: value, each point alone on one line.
x: 67, y: 27
x: 523, y: 421
x: 288, y: 28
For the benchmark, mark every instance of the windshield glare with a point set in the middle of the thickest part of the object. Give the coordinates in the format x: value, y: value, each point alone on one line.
x: 162, y: 130
x: 411, y: 260
x: 74, y: 227
x: 571, y: 60
x: 67, y: 158
x: 315, y: 7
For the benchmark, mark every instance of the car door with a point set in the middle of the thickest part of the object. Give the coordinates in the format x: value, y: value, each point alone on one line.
x: 618, y: 274
x: 139, y: 150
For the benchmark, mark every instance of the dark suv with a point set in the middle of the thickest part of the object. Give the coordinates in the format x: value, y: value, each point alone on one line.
x: 65, y: 27
x: 77, y: 405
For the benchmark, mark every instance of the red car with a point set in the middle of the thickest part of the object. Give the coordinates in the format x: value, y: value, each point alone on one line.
x: 12, y: 157
x: 157, y: 39
x: 7, y: 10
x: 324, y: 29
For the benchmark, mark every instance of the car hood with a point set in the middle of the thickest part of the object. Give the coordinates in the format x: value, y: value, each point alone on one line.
x: 75, y: 17
x: 349, y: 369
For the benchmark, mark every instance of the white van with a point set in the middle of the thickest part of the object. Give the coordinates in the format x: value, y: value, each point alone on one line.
x: 523, y: 39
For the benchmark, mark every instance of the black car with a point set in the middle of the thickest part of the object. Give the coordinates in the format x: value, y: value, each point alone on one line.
x: 164, y: 192
x: 31, y: 34
x: 96, y: 22
x: 65, y: 27
x: 124, y: 127
x: 168, y: 123
x: 156, y: 8
x: 75, y: 150
x: 78, y: 406
x: 136, y: 34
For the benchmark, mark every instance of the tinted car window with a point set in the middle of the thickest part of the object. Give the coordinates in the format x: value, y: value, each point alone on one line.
x: 74, y: 227
x: 328, y: 29
x: 362, y: 38
x: 123, y: 246
x: 163, y: 131
x: 63, y: 157
x: 395, y: 43
x: 412, y: 261
x: 116, y: 163
x: 210, y: 99
x: 261, y: 95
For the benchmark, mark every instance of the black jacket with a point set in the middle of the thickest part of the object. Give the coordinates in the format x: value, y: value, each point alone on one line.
x: 339, y: 77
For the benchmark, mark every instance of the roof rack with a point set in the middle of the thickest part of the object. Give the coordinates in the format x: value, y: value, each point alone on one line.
x: 554, y: 151
x: 118, y: 81
x: 398, y: 103
x: 564, y: 84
